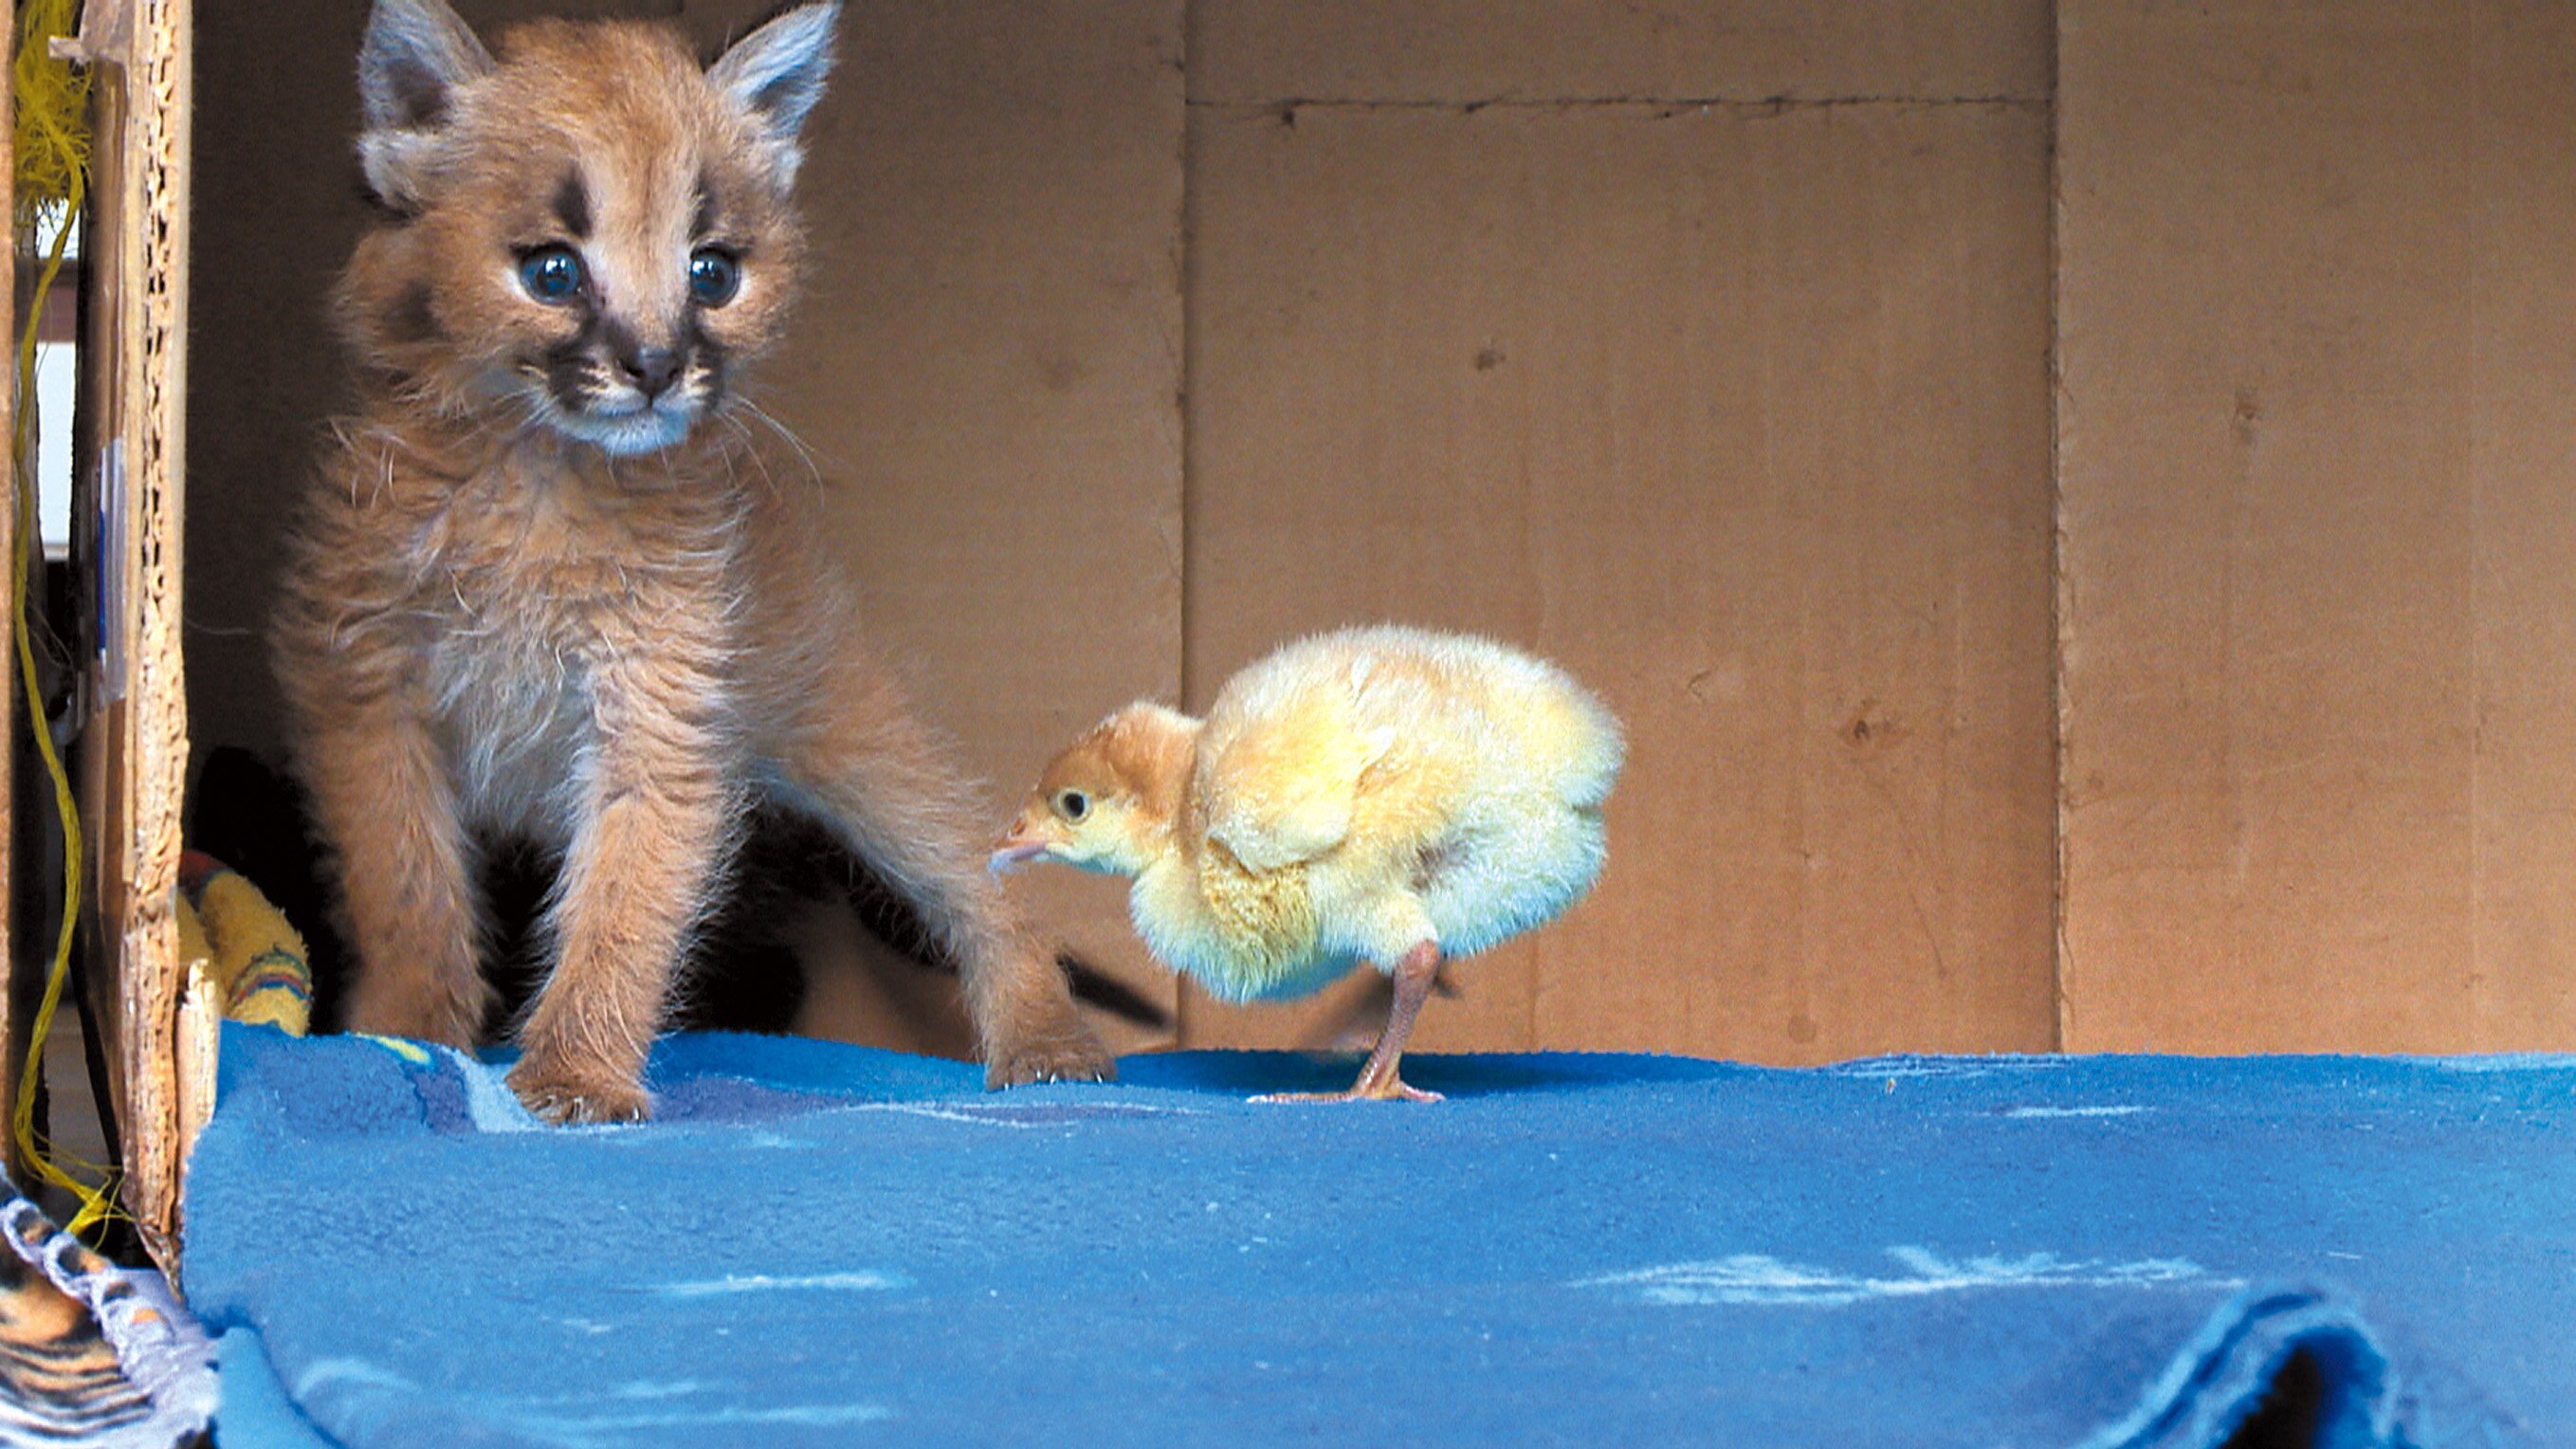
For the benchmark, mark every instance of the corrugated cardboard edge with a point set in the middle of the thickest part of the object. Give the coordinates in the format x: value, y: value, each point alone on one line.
x: 157, y: 81
x: 201, y: 1016
x: 141, y: 172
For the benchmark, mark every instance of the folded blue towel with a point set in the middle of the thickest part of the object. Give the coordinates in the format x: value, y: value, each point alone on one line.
x: 822, y: 1244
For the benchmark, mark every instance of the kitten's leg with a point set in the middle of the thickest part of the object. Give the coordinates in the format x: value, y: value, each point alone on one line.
x: 387, y: 806
x: 656, y: 820
x: 884, y: 782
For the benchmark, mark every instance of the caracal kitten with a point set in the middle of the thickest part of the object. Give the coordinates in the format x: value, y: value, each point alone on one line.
x: 544, y: 586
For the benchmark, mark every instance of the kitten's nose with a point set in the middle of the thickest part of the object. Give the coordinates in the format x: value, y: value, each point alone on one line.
x: 651, y: 369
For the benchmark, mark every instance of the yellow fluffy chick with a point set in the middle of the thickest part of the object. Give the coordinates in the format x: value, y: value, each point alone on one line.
x: 1383, y: 796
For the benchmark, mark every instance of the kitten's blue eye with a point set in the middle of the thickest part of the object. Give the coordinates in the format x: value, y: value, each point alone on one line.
x: 551, y: 274
x: 714, y: 276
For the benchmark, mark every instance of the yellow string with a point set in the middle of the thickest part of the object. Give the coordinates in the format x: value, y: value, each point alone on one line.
x: 51, y: 118
x: 51, y: 180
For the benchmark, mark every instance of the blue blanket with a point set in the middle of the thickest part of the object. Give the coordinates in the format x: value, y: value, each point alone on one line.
x: 821, y: 1244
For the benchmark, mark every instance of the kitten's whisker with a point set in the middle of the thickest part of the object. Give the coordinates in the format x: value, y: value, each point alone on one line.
x: 750, y: 448
x: 803, y: 453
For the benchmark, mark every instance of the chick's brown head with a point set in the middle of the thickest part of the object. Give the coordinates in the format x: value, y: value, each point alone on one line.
x: 1091, y: 805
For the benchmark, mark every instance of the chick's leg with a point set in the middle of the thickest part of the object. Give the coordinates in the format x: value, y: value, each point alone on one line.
x: 1379, y: 1081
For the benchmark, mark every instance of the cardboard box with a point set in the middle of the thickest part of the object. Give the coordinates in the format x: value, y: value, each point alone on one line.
x: 1737, y: 408
x: 2319, y: 567
x: 2205, y: 695
x: 134, y: 747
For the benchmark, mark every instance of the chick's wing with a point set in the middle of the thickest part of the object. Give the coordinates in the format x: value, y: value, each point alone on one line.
x: 1281, y: 785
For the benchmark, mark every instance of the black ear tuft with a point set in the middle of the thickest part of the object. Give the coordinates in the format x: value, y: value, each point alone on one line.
x: 776, y: 73
x: 415, y: 54
x: 406, y: 92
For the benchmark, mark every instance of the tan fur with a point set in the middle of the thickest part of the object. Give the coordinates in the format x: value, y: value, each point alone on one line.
x: 495, y: 626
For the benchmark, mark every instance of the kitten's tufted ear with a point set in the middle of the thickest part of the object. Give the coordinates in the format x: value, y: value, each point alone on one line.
x: 415, y: 54
x: 776, y: 74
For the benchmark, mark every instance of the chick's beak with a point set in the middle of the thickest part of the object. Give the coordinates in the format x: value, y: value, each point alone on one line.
x: 1021, y: 844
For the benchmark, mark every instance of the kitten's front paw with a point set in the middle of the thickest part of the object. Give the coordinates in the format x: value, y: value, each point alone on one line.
x: 1069, y: 1055
x: 568, y: 1095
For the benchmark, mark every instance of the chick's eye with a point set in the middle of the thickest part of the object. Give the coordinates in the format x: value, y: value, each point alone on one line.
x: 1072, y: 805
x: 552, y: 275
x: 714, y: 276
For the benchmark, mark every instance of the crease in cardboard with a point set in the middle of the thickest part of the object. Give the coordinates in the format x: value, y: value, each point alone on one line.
x: 2061, y: 596
x: 1756, y: 106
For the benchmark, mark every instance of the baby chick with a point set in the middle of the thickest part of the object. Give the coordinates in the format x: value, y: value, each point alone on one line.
x: 1384, y: 796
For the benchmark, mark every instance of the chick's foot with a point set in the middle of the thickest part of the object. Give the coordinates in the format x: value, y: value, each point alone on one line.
x: 1378, y: 1080
x: 1391, y: 1092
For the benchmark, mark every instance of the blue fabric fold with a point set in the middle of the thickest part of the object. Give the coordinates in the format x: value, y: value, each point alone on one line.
x: 823, y: 1244
x: 2290, y: 1352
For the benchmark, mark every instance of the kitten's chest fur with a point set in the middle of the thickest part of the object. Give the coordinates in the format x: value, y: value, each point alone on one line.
x: 535, y: 583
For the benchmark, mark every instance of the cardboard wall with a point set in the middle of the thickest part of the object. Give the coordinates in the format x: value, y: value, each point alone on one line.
x: 276, y: 212
x: 1705, y: 345
x: 1552, y: 326
x: 2320, y: 567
